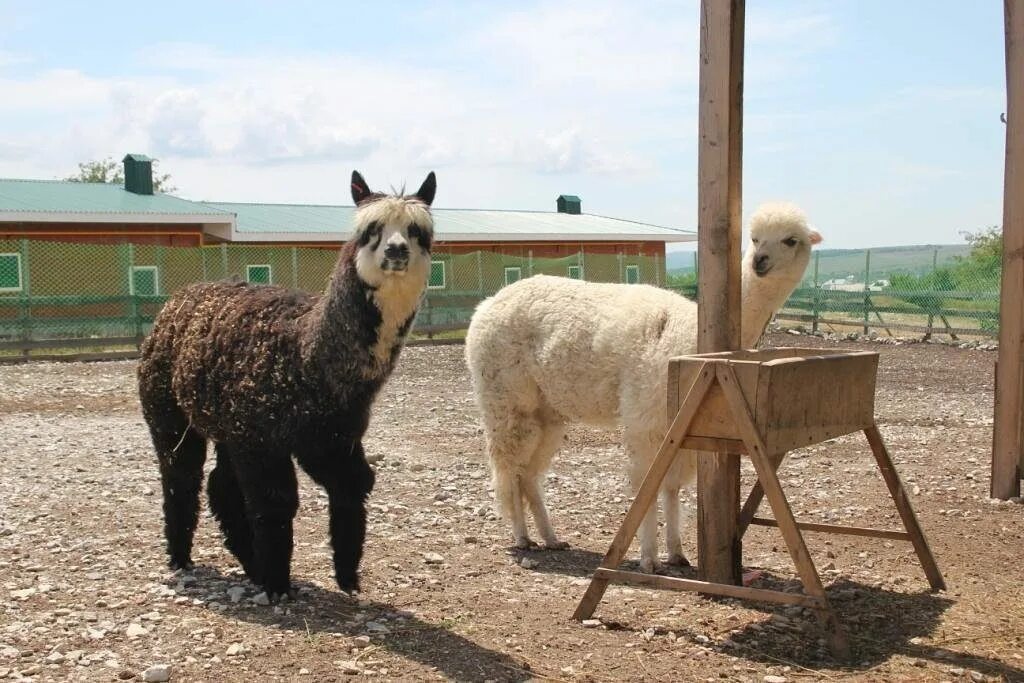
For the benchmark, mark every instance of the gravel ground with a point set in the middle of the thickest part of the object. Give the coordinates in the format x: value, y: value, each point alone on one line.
x: 85, y: 594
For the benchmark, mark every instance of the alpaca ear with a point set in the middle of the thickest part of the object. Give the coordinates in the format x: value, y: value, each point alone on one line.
x: 427, y: 190
x: 814, y: 236
x: 360, y: 190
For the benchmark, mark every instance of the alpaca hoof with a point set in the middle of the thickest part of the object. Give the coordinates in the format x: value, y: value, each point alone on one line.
x: 648, y: 565
x: 525, y: 543
x: 178, y: 564
x: 678, y: 560
x: 556, y: 545
x: 348, y: 584
x: 275, y: 597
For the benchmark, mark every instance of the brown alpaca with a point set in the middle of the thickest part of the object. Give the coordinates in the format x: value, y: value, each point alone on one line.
x: 269, y: 374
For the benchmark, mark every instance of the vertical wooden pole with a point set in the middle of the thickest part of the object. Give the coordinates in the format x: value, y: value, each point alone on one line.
x: 1009, y: 403
x: 719, y: 160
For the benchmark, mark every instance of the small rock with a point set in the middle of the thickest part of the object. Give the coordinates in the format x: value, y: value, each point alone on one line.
x: 54, y: 657
x: 23, y: 594
x: 303, y: 672
x: 261, y: 599
x: 956, y: 671
x: 235, y: 593
x: 702, y: 639
x: 126, y: 674
x: 528, y: 563
x: 359, y: 642
x: 774, y: 679
x: 235, y: 649
x: 591, y: 623
x: 377, y: 627
x: 433, y: 558
x: 349, y: 667
x: 158, y: 673
x: 976, y: 676
x: 135, y: 630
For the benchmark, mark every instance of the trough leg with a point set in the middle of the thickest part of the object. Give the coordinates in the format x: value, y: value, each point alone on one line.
x: 899, y: 496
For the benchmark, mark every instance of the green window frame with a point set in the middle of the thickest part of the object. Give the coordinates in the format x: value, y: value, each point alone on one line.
x: 438, y: 275
x: 513, y: 274
x: 144, y: 281
x: 259, y: 274
x: 10, y: 273
x: 632, y: 274
x: 575, y: 272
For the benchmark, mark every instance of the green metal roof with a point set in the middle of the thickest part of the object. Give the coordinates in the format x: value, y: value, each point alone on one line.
x: 60, y: 196
x: 305, y: 221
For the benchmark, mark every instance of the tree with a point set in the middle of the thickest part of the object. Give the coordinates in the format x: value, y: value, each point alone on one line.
x: 109, y: 171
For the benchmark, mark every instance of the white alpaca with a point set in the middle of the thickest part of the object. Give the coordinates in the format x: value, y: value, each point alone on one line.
x: 547, y: 351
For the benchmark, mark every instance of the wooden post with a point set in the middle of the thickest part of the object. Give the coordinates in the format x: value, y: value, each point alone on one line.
x: 815, y: 302
x: 1009, y: 402
x: 867, y: 292
x: 719, y: 161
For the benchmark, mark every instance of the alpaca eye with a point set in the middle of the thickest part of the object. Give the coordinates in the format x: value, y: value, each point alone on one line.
x: 755, y: 240
x: 789, y: 241
x: 415, y: 233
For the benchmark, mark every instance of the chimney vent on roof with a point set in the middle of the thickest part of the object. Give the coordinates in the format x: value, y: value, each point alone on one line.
x: 138, y: 174
x: 569, y: 203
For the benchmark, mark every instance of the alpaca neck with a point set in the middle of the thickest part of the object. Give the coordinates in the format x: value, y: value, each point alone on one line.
x: 761, y: 298
x: 356, y: 328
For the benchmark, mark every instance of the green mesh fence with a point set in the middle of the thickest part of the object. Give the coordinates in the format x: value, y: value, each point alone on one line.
x: 55, y: 295
x: 892, y: 292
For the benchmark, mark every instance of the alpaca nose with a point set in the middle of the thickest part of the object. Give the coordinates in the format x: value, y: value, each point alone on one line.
x: 761, y: 263
x: 396, y: 251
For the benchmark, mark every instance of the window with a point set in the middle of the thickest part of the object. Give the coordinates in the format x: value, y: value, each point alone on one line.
x: 437, y: 275
x: 575, y: 272
x: 260, y: 275
x: 10, y: 273
x: 632, y: 274
x: 145, y: 281
x: 512, y: 274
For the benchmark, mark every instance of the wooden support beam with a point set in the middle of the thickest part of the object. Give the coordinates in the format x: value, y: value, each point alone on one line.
x: 894, y: 534
x: 719, y: 161
x: 723, y: 589
x: 1007, y: 432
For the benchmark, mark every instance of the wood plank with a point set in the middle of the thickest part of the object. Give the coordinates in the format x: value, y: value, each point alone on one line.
x: 648, y: 491
x: 724, y: 589
x: 837, y: 529
x: 834, y: 631
x: 1007, y: 448
x: 757, y: 495
x: 719, y: 192
x: 899, y: 496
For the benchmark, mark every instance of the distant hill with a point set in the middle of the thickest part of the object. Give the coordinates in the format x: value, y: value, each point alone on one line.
x: 839, y: 263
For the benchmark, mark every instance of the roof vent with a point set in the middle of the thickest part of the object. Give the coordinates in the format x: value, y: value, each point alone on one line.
x: 138, y: 174
x: 569, y: 203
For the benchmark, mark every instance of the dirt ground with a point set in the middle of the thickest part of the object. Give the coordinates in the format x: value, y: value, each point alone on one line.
x: 85, y: 593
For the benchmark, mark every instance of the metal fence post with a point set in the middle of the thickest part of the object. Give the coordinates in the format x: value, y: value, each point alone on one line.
x: 295, y: 268
x: 814, y: 294
x: 480, y: 272
x: 224, y: 259
x: 25, y: 298
x: 867, y: 292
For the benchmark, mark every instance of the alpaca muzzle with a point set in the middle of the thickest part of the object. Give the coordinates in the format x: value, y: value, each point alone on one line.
x: 396, y: 258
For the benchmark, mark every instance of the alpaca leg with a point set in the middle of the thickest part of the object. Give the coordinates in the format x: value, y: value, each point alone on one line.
x: 267, y: 481
x: 348, y: 480
x: 531, y: 483
x: 511, y: 445
x: 679, y: 475
x: 181, y: 458
x: 640, y: 457
x: 228, y: 506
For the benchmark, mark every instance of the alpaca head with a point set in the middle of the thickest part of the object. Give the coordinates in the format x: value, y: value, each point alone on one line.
x: 393, y: 233
x: 780, y: 242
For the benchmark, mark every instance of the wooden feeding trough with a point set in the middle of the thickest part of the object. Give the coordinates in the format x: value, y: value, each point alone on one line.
x: 762, y: 404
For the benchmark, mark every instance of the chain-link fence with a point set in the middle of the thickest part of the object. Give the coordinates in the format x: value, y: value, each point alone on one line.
x: 891, y: 292
x: 61, y: 295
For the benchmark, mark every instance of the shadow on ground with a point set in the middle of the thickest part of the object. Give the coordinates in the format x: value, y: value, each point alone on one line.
x: 319, y: 611
x: 880, y: 623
